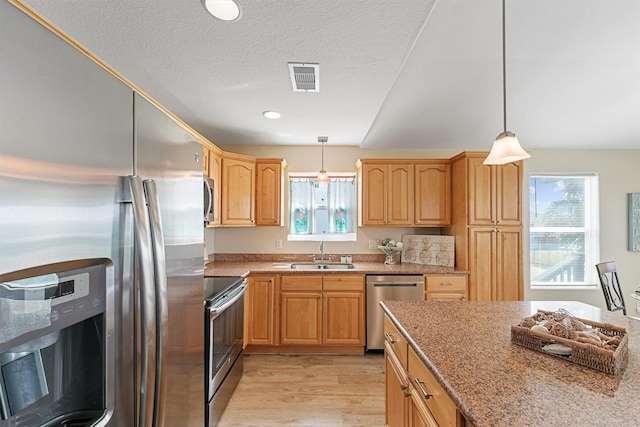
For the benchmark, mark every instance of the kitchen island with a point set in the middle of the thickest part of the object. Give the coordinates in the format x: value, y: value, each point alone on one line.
x: 492, y: 382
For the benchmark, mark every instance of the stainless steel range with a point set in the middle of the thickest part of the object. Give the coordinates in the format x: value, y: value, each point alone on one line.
x: 224, y: 323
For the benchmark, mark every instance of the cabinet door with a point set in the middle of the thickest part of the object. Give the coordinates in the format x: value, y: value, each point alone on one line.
x: 215, y: 173
x: 205, y: 160
x: 301, y: 317
x: 509, y: 264
x: 343, y: 318
x: 397, y: 395
x: 374, y: 195
x: 261, y: 308
x: 400, y: 195
x: 419, y: 415
x: 509, y: 194
x: 482, y: 264
x: 238, y: 192
x: 268, y: 193
x: 481, y: 192
x: 432, y: 194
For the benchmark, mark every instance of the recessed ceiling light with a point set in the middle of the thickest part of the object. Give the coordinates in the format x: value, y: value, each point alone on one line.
x: 226, y: 10
x: 273, y: 115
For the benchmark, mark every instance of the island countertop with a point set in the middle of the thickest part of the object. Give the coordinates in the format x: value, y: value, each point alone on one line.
x: 467, y: 345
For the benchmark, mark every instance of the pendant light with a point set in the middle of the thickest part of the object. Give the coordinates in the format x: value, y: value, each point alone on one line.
x: 506, y: 148
x: 322, y: 175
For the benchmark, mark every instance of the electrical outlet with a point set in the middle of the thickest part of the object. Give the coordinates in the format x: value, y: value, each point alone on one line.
x: 278, y: 243
x: 373, y: 244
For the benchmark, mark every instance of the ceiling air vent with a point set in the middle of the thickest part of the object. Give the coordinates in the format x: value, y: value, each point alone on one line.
x: 305, y: 77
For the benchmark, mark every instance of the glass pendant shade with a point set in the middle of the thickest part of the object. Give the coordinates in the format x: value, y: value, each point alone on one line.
x: 322, y: 176
x: 505, y: 149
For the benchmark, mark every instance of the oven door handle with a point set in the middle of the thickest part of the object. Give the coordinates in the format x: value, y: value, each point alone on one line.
x: 214, y: 311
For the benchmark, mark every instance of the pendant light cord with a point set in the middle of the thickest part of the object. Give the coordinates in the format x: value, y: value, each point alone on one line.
x: 504, y: 69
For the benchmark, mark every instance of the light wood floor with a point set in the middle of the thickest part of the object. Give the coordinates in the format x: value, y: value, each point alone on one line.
x: 308, y: 390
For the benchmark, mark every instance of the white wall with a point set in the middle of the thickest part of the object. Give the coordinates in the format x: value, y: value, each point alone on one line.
x: 618, y: 174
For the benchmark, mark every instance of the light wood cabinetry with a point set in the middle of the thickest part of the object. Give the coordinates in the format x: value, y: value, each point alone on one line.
x: 446, y: 288
x: 397, y: 383
x: 269, y: 187
x: 428, y: 391
x: 413, y: 395
x: 343, y: 304
x: 432, y: 202
x: 397, y: 391
x: 495, y: 263
x: 214, y: 171
x: 301, y: 310
x: 386, y: 197
x: 322, y: 310
x: 262, y: 310
x: 238, y: 190
x: 487, y: 224
x: 495, y: 192
x: 404, y: 192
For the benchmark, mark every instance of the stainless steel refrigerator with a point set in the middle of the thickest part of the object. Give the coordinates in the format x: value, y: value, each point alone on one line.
x: 101, y: 244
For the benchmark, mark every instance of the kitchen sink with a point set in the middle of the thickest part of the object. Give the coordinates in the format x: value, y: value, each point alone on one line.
x: 321, y: 266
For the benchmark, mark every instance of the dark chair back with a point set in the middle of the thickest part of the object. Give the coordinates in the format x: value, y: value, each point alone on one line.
x: 611, y: 286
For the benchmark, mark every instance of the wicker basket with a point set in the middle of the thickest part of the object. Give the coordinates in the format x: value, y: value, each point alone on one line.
x: 589, y: 355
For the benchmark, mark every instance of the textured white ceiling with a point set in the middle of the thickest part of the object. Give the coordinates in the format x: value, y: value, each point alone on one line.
x: 393, y: 73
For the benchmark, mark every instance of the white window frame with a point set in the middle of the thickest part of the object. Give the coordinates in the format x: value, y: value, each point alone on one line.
x: 333, y: 237
x: 591, y: 232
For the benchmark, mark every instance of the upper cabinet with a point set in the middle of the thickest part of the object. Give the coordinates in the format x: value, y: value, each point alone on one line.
x: 404, y: 192
x: 212, y: 167
x: 494, y: 192
x: 487, y: 225
x: 432, y: 193
x: 269, y: 188
x: 247, y: 191
x: 238, y: 190
x: 386, y: 193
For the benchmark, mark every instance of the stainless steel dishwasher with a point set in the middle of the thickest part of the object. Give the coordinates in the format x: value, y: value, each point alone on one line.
x: 388, y: 287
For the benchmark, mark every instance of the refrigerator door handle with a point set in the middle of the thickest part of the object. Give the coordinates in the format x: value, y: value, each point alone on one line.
x: 162, y: 309
x: 142, y: 231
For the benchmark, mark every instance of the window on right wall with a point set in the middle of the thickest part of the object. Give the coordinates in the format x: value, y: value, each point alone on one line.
x: 563, y: 230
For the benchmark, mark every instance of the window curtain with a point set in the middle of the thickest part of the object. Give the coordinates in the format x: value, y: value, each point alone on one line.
x: 301, y: 201
x: 341, y: 209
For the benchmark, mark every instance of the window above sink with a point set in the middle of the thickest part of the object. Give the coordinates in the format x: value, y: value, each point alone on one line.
x: 322, y: 211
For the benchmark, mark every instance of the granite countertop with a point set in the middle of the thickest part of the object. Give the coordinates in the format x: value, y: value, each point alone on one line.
x: 244, y: 268
x: 467, y: 345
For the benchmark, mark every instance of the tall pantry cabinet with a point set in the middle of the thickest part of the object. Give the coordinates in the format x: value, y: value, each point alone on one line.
x: 487, y: 224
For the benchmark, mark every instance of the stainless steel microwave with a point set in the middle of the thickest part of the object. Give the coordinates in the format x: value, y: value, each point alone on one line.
x: 208, y: 199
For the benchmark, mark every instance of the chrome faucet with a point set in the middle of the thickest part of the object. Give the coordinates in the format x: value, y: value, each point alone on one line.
x: 321, y: 250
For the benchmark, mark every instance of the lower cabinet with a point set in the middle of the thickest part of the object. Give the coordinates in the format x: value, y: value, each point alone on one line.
x: 446, y: 288
x: 305, y: 310
x: 397, y: 391
x: 322, y: 310
x: 413, y: 396
x: 301, y: 310
x: 261, y: 310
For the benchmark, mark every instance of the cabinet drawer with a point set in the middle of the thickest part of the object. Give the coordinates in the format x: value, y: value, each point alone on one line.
x: 396, y: 341
x: 344, y: 283
x: 431, y: 392
x: 301, y: 283
x: 447, y: 284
